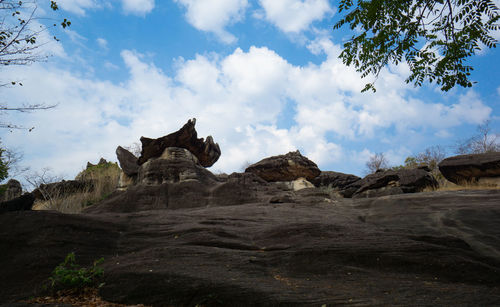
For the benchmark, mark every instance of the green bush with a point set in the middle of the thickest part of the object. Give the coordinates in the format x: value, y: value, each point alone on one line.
x: 70, y: 275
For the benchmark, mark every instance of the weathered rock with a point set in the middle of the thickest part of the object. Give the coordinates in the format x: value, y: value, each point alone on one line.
x: 174, y: 165
x: 102, y: 161
x: 287, y: 167
x: 206, y: 151
x: 422, y: 249
x: 13, y: 189
x: 390, y: 183
x: 128, y: 162
x: 471, y: 168
x: 21, y: 203
x: 334, y: 180
x: 62, y: 188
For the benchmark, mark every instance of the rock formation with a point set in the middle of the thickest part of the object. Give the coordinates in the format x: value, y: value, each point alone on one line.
x: 207, y: 152
x: 391, y: 182
x: 13, y: 189
x: 287, y: 167
x: 128, y: 162
x: 174, y: 165
x: 21, y: 203
x: 334, y: 180
x: 470, y: 169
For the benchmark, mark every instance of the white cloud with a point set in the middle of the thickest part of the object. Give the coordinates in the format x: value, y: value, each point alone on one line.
x: 138, y: 7
x: 237, y: 99
x: 214, y: 15
x: 294, y: 16
x: 102, y: 43
x: 78, y: 6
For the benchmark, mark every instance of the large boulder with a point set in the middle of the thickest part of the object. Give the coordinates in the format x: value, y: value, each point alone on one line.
x: 334, y: 180
x: 174, y: 165
x: 21, y: 203
x: 391, y: 182
x: 471, y: 168
x: 127, y: 160
x: 12, y: 189
x: 287, y: 167
x: 206, y: 151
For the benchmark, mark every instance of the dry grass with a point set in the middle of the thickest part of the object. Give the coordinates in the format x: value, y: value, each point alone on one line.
x: 445, y: 185
x: 105, y: 181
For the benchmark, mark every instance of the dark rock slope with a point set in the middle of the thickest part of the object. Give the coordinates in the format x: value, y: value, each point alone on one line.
x: 423, y: 249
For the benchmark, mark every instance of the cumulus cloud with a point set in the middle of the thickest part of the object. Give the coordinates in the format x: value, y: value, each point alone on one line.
x: 138, y: 7
x: 214, y: 15
x: 294, y: 16
x: 237, y: 99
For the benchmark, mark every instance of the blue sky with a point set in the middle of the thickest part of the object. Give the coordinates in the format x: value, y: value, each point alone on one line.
x: 262, y: 77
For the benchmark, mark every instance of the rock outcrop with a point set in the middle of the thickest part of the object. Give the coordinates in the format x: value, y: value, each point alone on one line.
x: 21, y: 203
x: 206, y: 151
x: 470, y: 169
x: 422, y: 249
x: 391, y: 182
x: 13, y: 189
x: 174, y: 165
x: 287, y: 167
x: 128, y: 162
x: 334, y: 180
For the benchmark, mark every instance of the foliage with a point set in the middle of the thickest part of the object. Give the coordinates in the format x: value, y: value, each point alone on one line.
x: 93, y: 171
x: 69, y: 274
x: 430, y: 157
x: 4, y: 166
x: 484, y: 141
x: 376, y: 162
x: 434, y: 37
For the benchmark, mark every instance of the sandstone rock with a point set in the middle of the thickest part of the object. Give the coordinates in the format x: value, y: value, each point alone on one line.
x: 174, y: 165
x: 128, y: 162
x: 424, y: 249
x: 21, y: 203
x: 125, y: 181
x: 390, y: 183
x: 62, y: 188
x: 207, y: 152
x: 471, y: 168
x: 287, y: 167
x: 334, y: 180
x: 13, y: 189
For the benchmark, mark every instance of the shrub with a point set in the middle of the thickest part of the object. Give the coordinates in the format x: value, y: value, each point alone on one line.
x: 70, y: 275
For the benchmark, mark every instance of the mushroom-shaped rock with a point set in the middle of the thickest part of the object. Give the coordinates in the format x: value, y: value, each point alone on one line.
x: 287, y: 167
x: 471, y: 168
x: 13, y: 190
x: 128, y: 162
x: 206, y: 151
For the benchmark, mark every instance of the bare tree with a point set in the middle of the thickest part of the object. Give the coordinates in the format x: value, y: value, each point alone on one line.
x: 19, y: 45
x: 484, y: 141
x: 376, y: 162
x: 135, y: 148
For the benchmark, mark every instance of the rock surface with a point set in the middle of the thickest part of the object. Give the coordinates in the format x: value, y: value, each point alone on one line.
x: 391, y: 182
x: 13, y: 189
x: 334, y: 180
x: 423, y: 249
x: 128, y: 162
x: 21, y: 203
x: 471, y: 168
x: 206, y: 151
x: 287, y: 167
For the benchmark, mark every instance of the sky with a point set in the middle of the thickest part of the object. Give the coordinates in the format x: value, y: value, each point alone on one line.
x: 262, y: 77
